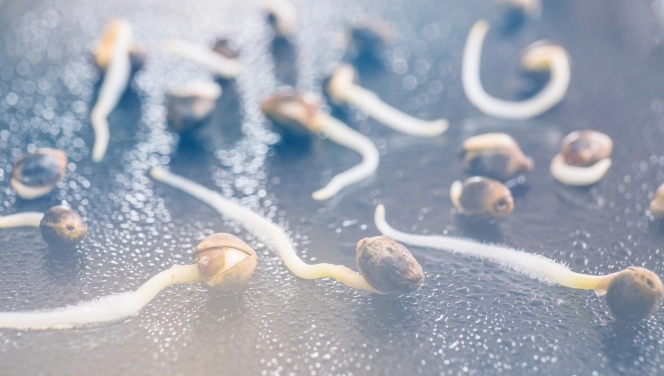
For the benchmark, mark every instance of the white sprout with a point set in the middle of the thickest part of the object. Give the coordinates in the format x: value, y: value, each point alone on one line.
x: 106, y: 309
x: 285, y: 16
x: 216, y: 63
x: 578, y: 176
x: 116, y: 79
x: 262, y: 228
x: 538, y: 56
x: 343, y: 135
x: 26, y: 219
x: 342, y: 89
x: 531, y: 265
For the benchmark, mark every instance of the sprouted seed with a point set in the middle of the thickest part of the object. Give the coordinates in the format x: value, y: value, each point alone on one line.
x: 583, y: 159
x: 632, y: 294
x: 189, y: 105
x: 539, y: 56
x: 223, y: 262
x: 341, y: 88
x: 282, y: 15
x: 657, y: 203
x: 374, y: 255
x: 224, y: 66
x: 294, y: 109
x: 115, y: 81
x: 36, y: 174
x: 60, y: 226
x: 482, y: 197
x: 494, y: 155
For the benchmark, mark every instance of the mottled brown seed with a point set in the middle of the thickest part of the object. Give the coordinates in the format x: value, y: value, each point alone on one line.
x: 211, y: 257
x: 388, y: 266
x: 634, y: 294
x: 481, y: 196
x: 585, y: 148
x: 62, y: 226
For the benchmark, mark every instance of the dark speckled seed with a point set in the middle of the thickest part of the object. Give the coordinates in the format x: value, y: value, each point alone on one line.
x: 41, y: 168
x: 634, y: 294
x: 388, y: 266
x: 481, y: 196
x: 62, y: 226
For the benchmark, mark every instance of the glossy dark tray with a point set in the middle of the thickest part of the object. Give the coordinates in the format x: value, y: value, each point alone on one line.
x: 470, y: 317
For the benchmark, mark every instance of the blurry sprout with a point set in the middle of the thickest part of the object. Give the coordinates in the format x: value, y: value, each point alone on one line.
x: 117, y: 41
x: 215, y: 60
x: 60, y: 226
x: 583, y: 158
x: 282, y: 15
x: 631, y: 294
x: 368, y: 39
x: 482, y: 197
x: 191, y: 104
x: 386, y: 263
x: 341, y: 88
x: 538, y: 56
x: 223, y: 262
x: 657, y: 203
x: 494, y: 155
x: 293, y: 109
x: 36, y: 174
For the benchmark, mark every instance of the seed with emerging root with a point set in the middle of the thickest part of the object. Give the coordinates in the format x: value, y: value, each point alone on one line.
x: 583, y: 159
x: 482, y: 197
x: 632, y: 294
x: 188, y: 106
x: 494, y: 155
x: 294, y: 110
x: 540, y: 56
x: 226, y: 262
x: 302, y: 112
x: 341, y: 88
x: 119, y: 38
x: 60, y: 226
x: 36, y: 174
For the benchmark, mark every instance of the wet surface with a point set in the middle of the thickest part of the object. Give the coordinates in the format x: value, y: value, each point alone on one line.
x: 469, y: 317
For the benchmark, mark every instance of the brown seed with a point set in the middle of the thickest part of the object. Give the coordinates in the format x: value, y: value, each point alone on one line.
x: 225, y: 261
x: 634, y: 294
x: 481, y: 196
x: 62, y: 226
x: 35, y: 174
x: 294, y: 110
x: 388, y: 266
x: 585, y: 148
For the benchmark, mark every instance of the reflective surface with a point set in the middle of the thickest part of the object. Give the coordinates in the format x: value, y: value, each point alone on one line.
x: 469, y: 317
